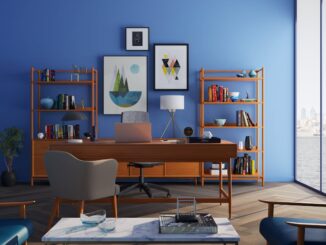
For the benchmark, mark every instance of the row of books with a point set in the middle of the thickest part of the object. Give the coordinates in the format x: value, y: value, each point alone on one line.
x: 244, y: 165
x: 66, y: 102
x: 244, y: 119
x: 59, y: 131
x: 48, y: 75
x: 217, y: 93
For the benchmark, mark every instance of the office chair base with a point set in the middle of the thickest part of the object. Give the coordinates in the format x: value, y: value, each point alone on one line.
x: 147, y: 188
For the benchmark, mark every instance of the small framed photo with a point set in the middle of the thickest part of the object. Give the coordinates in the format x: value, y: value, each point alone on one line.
x: 137, y: 38
x: 171, y: 66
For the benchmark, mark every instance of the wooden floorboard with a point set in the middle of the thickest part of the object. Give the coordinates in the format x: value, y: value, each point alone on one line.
x: 247, y: 210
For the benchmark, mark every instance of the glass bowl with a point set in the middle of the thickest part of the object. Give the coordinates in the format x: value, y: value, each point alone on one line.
x: 107, y: 225
x: 93, y: 218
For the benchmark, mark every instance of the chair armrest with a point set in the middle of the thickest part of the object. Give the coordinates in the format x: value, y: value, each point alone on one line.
x: 272, y: 203
x: 22, y: 206
x: 307, y: 225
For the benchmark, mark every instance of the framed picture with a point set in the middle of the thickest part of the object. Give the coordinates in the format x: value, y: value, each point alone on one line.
x: 137, y: 38
x: 125, y: 84
x: 171, y: 66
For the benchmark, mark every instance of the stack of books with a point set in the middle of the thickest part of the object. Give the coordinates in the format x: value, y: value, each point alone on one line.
x: 244, y: 119
x: 215, y: 169
x: 244, y: 165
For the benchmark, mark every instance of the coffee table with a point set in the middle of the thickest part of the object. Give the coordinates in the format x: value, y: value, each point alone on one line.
x: 134, y: 230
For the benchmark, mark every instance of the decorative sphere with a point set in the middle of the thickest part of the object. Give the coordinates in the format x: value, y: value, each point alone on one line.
x: 252, y: 73
x: 188, y: 131
x: 40, y: 136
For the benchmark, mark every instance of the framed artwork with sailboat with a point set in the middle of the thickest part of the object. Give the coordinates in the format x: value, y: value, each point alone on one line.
x: 125, y: 84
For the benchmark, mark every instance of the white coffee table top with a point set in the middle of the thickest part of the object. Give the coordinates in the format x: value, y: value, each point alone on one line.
x: 134, y: 230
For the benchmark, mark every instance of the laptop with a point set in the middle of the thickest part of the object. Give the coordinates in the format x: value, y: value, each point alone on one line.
x: 133, y: 132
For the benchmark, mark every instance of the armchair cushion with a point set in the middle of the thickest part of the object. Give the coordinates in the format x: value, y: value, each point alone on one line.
x: 15, y: 231
x: 276, y: 231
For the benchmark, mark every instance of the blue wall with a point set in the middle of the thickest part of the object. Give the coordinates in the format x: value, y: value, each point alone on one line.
x: 221, y: 34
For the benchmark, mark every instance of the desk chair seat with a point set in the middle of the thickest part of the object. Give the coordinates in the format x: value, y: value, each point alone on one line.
x: 15, y: 231
x: 142, y: 185
x: 139, y: 117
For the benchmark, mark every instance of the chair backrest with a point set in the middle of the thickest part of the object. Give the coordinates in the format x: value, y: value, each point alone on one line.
x: 75, y: 179
x: 134, y: 117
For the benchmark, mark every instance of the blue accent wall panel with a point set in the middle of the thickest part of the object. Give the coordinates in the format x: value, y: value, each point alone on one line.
x: 222, y: 34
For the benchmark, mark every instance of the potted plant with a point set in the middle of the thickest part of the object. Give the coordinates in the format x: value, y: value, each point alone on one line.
x: 11, y: 144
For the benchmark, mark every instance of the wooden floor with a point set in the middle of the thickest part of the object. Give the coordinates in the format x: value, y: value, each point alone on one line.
x: 247, y: 211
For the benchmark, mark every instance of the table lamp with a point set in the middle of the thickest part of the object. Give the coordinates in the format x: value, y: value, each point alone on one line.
x: 171, y: 103
x: 74, y: 116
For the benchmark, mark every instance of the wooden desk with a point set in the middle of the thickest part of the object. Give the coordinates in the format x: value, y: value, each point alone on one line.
x: 159, y: 151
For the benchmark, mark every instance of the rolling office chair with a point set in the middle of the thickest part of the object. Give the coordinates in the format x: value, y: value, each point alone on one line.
x: 134, y: 117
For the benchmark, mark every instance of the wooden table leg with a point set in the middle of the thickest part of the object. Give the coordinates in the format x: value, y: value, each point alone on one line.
x: 220, y: 181
x: 230, y: 188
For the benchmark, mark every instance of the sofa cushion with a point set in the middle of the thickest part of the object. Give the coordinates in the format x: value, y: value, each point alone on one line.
x: 276, y: 231
x: 15, y: 231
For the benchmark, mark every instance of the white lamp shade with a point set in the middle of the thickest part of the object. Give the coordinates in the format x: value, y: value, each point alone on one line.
x: 172, y: 102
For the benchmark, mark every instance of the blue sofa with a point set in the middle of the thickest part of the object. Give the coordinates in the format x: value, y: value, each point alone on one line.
x: 16, y: 231
x: 292, y: 231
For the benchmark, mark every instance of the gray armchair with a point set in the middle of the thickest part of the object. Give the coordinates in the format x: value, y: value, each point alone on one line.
x: 75, y: 180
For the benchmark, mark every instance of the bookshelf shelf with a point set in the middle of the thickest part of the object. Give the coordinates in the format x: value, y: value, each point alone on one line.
x: 232, y: 103
x: 87, y: 109
x: 39, y: 116
x: 231, y: 79
x: 65, y: 82
x: 220, y: 77
x: 212, y: 125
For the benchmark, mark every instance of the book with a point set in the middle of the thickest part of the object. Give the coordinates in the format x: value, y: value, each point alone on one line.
x: 244, y: 119
x: 210, y: 94
x: 253, y: 167
x: 249, y: 119
x: 216, y: 172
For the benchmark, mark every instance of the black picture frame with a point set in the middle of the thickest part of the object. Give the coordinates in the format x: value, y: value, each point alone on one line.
x: 137, y: 38
x: 158, y: 77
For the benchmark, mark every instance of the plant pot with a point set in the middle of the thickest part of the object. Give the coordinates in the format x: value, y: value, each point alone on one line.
x: 8, y: 178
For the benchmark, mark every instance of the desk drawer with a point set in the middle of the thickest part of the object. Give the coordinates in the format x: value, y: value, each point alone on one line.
x: 123, y: 169
x: 182, y: 169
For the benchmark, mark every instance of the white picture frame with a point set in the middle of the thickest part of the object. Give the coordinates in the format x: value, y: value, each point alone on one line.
x: 125, y: 84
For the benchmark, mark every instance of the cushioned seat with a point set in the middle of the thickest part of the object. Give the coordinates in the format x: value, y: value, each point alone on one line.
x: 276, y: 231
x: 15, y: 231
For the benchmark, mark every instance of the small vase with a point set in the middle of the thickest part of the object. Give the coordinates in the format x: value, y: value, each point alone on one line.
x: 248, y: 143
x: 8, y: 178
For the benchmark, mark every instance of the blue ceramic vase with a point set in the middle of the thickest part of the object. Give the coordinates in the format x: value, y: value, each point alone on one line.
x: 46, y: 103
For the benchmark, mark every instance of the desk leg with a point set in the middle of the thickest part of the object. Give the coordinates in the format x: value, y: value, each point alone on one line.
x: 230, y: 187
x: 220, y: 178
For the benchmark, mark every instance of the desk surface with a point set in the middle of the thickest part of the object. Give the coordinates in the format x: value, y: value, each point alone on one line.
x: 133, y: 230
x: 156, y: 150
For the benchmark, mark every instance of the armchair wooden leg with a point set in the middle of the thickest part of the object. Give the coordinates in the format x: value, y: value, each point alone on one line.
x: 54, y: 212
x: 300, y: 235
x: 81, y: 207
x: 115, y: 206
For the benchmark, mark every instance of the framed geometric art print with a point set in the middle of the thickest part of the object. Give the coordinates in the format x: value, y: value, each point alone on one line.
x: 171, y: 66
x: 125, y: 84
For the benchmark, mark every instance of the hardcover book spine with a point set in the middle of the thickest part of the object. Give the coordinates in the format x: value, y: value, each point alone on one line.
x: 210, y: 94
x: 221, y: 93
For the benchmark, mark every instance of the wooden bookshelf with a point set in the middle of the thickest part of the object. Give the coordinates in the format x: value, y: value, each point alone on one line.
x: 40, y: 146
x: 229, y: 76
